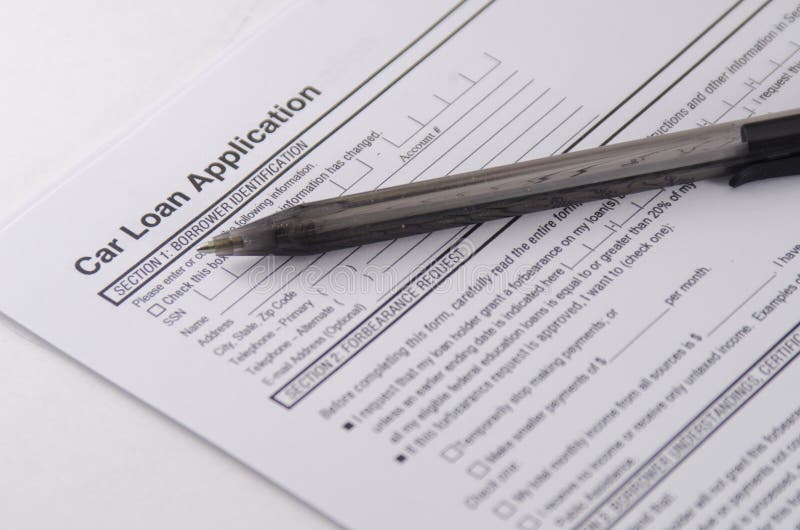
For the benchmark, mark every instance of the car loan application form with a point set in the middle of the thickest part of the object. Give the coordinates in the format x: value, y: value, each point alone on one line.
x: 630, y: 362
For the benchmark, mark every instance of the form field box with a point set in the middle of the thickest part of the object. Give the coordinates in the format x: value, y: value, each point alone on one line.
x: 156, y: 310
x: 478, y: 470
x: 452, y: 453
x: 504, y: 510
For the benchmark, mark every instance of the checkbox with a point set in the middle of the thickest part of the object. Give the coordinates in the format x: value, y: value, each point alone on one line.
x: 529, y: 522
x: 504, y: 510
x: 452, y: 453
x: 400, y: 458
x: 348, y: 426
x: 478, y: 470
x: 156, y: 309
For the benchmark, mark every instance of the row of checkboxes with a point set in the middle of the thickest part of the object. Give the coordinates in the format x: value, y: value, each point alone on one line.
x: 453, y: 453
x: 479, y: 470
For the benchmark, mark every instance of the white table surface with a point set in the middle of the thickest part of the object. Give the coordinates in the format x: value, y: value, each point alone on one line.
x: 76, y: 452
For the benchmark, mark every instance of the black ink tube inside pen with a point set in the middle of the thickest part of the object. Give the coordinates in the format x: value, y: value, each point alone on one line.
x: 743, y: 151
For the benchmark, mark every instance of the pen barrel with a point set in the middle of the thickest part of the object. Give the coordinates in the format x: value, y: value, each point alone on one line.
x: 512, y: 190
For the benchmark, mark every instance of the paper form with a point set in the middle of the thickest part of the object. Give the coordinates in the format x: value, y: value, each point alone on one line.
x: 622, y: 363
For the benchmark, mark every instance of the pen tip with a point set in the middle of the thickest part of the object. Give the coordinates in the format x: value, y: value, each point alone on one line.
x: 221, y: 246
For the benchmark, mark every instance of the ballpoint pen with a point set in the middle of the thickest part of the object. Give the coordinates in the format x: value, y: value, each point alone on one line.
x: 744, y: 150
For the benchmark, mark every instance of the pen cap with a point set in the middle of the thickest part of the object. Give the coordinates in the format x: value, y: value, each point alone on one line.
x: 775, y: 140
x: 763, y: 133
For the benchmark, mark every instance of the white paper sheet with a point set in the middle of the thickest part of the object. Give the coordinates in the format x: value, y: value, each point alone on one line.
x: 623, y: 363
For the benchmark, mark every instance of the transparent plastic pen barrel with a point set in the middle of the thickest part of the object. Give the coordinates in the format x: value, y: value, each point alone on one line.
x: 505, y: 191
